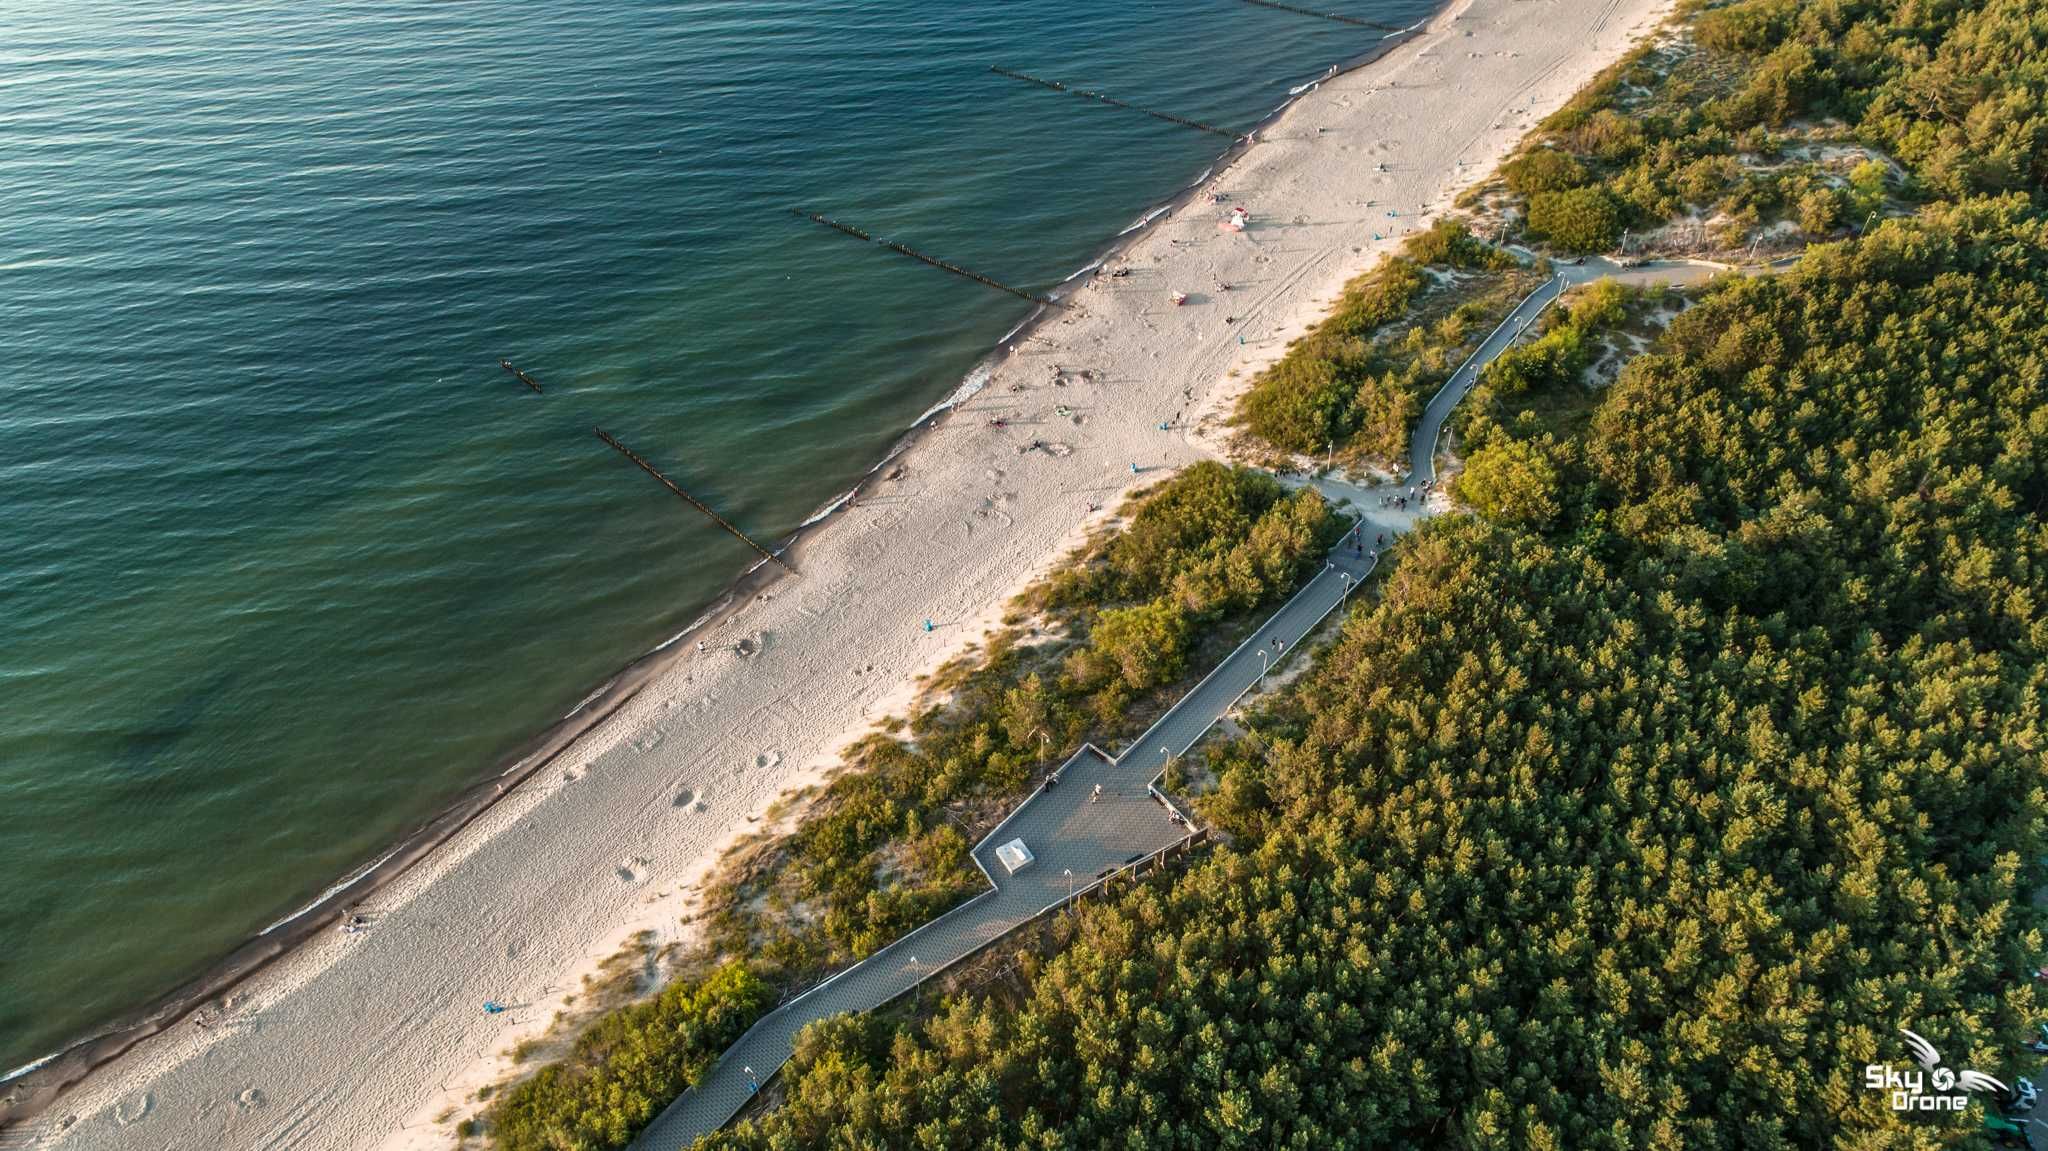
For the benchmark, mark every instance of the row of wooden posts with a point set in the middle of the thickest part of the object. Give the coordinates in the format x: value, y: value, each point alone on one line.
x: 944, y: 265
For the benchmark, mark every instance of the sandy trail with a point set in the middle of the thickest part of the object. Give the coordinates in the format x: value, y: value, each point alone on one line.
x: 362, y: 1040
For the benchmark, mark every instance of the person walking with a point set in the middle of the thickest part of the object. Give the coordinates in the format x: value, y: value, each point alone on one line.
x: 1096, y: 795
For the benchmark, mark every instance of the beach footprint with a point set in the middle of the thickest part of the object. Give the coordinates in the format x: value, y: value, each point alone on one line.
x: 134, y: 1110
x: 685, y: 798
x: 649, y: 741
x: 250, y: 1100
x: 633, y: 870
x: 768, y: 759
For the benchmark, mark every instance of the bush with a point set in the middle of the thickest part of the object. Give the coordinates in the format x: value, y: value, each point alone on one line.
x: 1751, y: 28
x: 1820, y: 211
x: 1144, y: 646
x: 1577, y: 219
x: 1449, y: 243
x: 629, y: 1066
x: 1510, y: 482
x: 1544, y: 170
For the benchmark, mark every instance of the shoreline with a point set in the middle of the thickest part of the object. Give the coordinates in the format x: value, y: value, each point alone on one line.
x: 70, y: 1065
x: 590, y: 728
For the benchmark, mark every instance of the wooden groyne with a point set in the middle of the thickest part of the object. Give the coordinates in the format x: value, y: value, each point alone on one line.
x: 914, y: 254
x: 1169, y: 117
x: 523, y: 377
x: 693, y: 501
x: 1339, y: 17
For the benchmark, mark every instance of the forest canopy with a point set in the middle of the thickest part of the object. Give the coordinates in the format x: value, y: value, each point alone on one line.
x: 1646, y: 827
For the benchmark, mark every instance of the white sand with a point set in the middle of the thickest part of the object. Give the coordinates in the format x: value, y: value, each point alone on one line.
x: 360, y: 1041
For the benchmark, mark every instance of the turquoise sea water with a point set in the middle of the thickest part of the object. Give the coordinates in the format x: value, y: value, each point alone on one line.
x: 286, y: 560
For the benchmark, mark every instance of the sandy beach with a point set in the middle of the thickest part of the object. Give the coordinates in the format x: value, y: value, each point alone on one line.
x: 367, y: 1039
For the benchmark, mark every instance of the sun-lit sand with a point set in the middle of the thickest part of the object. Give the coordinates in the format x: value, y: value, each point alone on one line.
x: 364, y: 1040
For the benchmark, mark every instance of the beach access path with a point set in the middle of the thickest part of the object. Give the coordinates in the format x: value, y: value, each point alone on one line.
x: 1078, y: 840
x: 1648, y: 273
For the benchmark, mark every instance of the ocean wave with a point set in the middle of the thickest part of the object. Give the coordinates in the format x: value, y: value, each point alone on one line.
x: 975, y: 380
x: 332, y: 891
x: 1147, y: 218
x: 586, y: 700
x: 829, y: 506
x: 28, y: 1067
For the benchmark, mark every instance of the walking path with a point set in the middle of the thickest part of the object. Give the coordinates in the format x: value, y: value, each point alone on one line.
x: 1651, y: 273
x: 1079, y: 841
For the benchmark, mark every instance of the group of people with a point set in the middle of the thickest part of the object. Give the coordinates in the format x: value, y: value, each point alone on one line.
x: 1399, y: 500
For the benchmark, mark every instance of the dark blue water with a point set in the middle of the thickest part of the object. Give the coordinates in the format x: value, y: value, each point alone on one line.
x: 286, y: 560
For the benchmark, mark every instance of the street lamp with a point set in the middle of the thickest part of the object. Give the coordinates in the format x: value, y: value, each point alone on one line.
x: 1069, y: 873
x: 1262, y: 663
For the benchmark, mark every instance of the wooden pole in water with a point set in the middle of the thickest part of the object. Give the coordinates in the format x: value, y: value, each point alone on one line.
x: 1112, y: 101
x: 934, y: 261
x: 693, y: 501
x: 523, y: 377
x: 1336, y: 16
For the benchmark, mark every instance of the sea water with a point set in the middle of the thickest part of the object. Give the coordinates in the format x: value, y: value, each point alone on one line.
x: 286, y: 560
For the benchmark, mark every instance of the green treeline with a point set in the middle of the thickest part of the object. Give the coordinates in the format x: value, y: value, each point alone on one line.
x: 1647, y: 830
x: 886, y: 845
x: 1954, y: 92
x: 1358, y: 379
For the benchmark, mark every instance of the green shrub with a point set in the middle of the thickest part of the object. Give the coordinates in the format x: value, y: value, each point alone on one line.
x: 629, y: 1066
x: 1576, y: 219
x: 1544, y: 170
x: 1510, y: 482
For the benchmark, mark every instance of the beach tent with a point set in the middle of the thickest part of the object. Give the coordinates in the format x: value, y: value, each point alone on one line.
x: 1014, y: 856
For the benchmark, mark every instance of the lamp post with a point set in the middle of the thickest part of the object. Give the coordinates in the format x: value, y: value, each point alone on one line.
x: 1069, y: 873
x: 1262, y: 663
